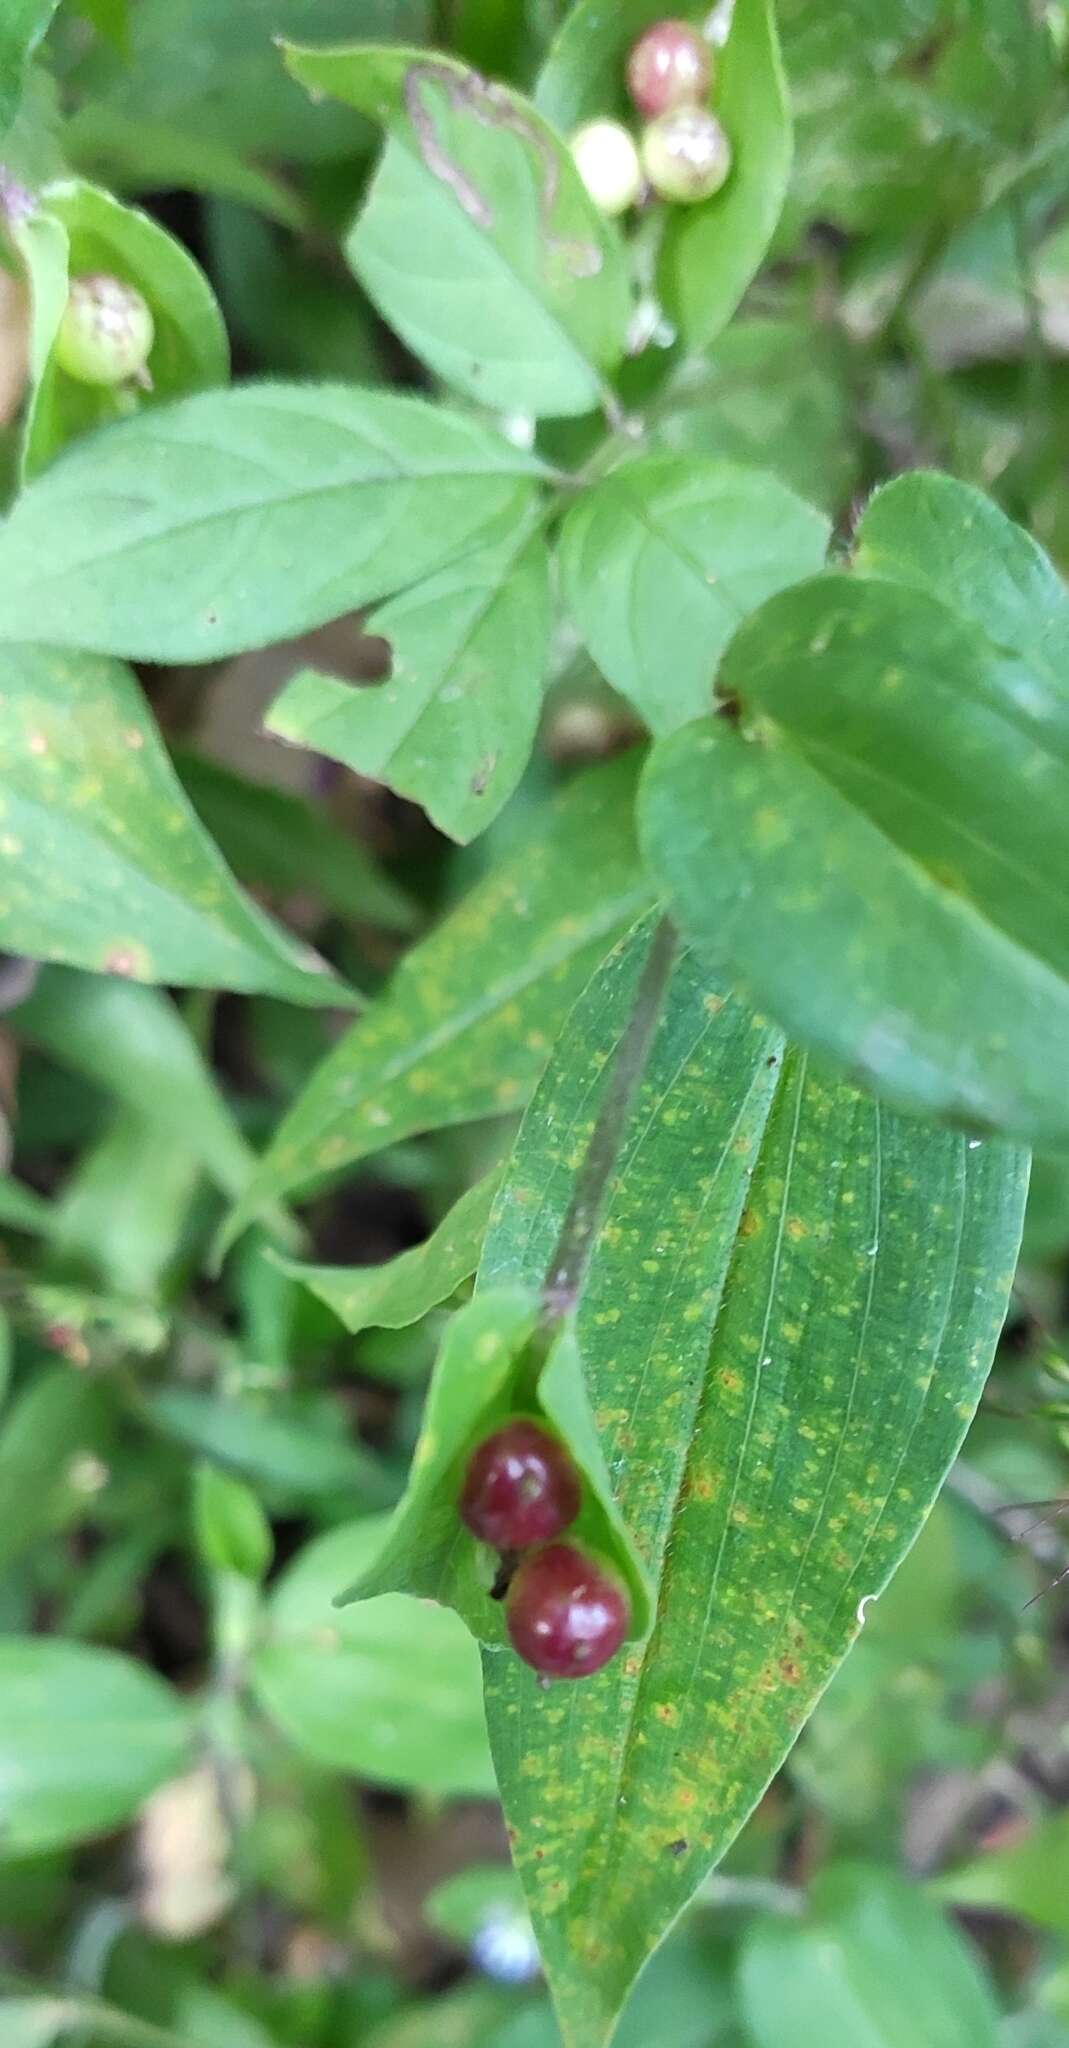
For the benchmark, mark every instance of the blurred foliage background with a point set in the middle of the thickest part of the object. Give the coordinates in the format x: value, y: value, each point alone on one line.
x: 233, y: 1817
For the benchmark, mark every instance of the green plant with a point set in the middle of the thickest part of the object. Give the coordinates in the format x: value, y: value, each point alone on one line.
x: 639, y: 1053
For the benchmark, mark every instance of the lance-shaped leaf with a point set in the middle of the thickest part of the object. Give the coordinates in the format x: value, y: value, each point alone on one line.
x: 880, y: 856
x: 77, y: 229
x: 232, y: 519
x: 466, y: 1025
x: 494, y: 1364
x: 103, y: 862
x: 788, y: 1319
x: 478, y: 241
x: 712, y: 252
x: 454, y: 723
x: 391, y: 1296
x: 24, y: 23
x: 662, y: 560
x: 284, y: 843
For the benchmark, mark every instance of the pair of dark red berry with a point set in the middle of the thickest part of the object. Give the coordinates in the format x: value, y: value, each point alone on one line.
x: 567, y: 1611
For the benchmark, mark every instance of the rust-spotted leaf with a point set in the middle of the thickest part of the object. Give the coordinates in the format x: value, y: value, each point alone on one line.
x: 466, y: 1026
x: 788, y: 1319
x: 103, y: 862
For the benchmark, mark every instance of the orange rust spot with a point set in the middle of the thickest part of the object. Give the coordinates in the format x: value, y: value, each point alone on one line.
x: 749, y: 1224
x: 790, y: 1672
x: 795, y: 1228
x: 685, y: 1797
x: 667, y: 1714
x: 730, y: 1380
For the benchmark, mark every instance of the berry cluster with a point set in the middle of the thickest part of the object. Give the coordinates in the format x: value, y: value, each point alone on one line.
x: 567, y: 1611
x: 683, y: 153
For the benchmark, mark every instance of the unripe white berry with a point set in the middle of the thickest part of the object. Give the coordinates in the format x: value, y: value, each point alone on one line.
x: 607, y: 162
x: 106, y: 331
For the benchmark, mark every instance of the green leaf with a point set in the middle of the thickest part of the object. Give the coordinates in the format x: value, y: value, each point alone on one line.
x: 275, y: 840
x: 1028, y: 1880
x: 103, y: 863
x: 140, y: 155
x: 21, y: 28
x: 901, y: 804
x: 424, y: 1549
x: 953, y: 543
x: 1046, y: 1223
x: 32, y: 152
x: 871, y: 1962
x: 454, y: 724
x: 138, y: 541
x: 133, y: 1042
x: 110, y: 18
x: 662, y: 560
x: 233, y: 1534
x: 712, y: 252
x: 465, y: 1026
x: 124, y: 1210
x: 275, y: 1446
x: 489, y: 1368
x: 209, y: 71
x: 85, y: 1736
x: 296, y: 312
x: 388, y: 1689
x: 57, y: 1419
x: 77, y: 229
x: 790, y: 1312
x: 401, y: 1292
x: 478, y: 241
x: 773, y: 394
x: 21, y: 1208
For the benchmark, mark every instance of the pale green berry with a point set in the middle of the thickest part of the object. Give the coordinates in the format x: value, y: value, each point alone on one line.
x: 607, y: 162
x: 686, y: 155
x: 106, y: 331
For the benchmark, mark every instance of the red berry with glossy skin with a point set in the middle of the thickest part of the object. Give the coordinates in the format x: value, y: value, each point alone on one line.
x: 567, y: 1611
x: 520, y: 1487
x: 670, y: 66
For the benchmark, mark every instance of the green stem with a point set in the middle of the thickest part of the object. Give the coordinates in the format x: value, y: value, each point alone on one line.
x: 567, y: 1267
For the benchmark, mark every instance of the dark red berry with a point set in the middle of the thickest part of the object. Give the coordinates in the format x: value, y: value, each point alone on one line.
x: 670, y: 66
x: 520, y: 1487
x: 567, y: 1611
